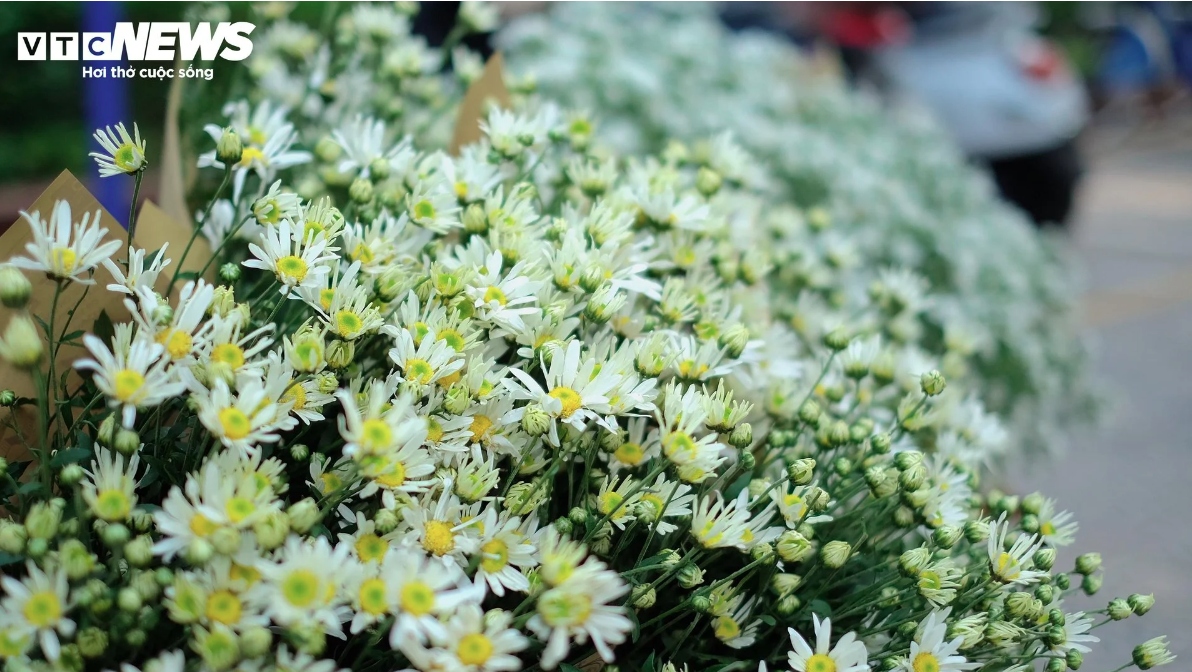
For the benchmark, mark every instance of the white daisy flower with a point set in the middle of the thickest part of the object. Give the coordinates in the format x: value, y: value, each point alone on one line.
x: 505, y: 553
x: 849, y: 654
x: 294, y: 262
x: 241, y: 421
x: 111, y: 489
x: 1056, y: 529
x: 930, y: 653
x: 665, y: 499
x: 715, y: 524
x: 268, y: 140
x: 39, y: 604
x: 504, y: 299
x: 63, y: 249
x: 186, y: 329
x: 123, y: 154
x: 574, y: 392
x: 472, y: 641
x: 1008, y: 566
x: 425, y: 590
x: 138, y: 275
x: 583, y: 607
x: 442, y: 527
x: 297, y: 588
x: 130, y: 380
x: 423, y: 364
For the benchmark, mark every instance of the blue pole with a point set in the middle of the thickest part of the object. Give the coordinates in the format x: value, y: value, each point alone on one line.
x: 105, y: 103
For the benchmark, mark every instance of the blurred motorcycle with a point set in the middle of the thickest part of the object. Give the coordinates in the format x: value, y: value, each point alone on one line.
x: 1008, y: 96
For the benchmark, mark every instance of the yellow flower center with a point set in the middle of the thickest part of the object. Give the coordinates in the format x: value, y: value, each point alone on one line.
x: 248, y: 575
x: 1047, y: 528
x: 727, y: 629
x: 251, y: 154
x: 419, y: 370
x: 564, y: 608
x: 926, y: 662
x: 331, y: 482
x: 178, y: 343
x: 690, y: 369
x: 228, y: 353
x: 480, y: 426
x: 821, y: 662
x: 424, y: 210
x: 202, y: 526
x: 112, y: 505
x: 127, y: 158
x: 474, y: 649
x: 494, y: 293
x: 655, y: 503
x: 375, y: 434
x: 461, y: 190
x: 609, y: 504
x: 239, y: 508
x: 371, y: 548
x: 297, y: 395
x: 450, y: 379
x: 291, y: 270
x: 438, y: 537
x: 417, y: 598
x: 43, y: 609
x: 326, y: 296
x: 126, y: 383
x: 494, y: 556
x: 235, y: 423
x: 630, y: 454
x: 1006, y: 567
x: 348, y: 324
x: 13, y: 642
x: 362, y: 253
x: 300, y: 587
x: 453, y: 338
x: 434, y: 430
x: 680, y: 447
x: 394, y: 477
x: 63, y: 260
x: 570, y: 399
x: 223, y: 607
x: 373, y: 596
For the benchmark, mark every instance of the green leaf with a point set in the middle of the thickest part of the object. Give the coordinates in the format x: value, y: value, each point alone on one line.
x: 70, y: 456
x: 74, y: 335
x: 30, y: 488
x: 103, y: 327
x: 648, y: 666
x: 8, y: 559
x: 568, y: 668
x: 16, y: 469
x: 820, y: 608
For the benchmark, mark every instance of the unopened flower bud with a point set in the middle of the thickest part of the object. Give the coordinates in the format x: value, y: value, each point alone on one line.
x: 1119, y: 609
x: 361, y: 190
x: 1091, y: 584
x: 908, y: 458
x: 809, y: 412
x: 701, y: 604
x: 1140, y: 603
x: 1029, y: 523
x: 839, y: 433
x: 914, y: 561
x: 127, y: 442
x: 271, y: 529
x: 139, y: 551
x: 801, y: 471
x: 880, y: 444
x: 742, y: 436
x: 1062, y: 581
x: 21, y: 346
x: 128, y: 600
x: 708, y: 181
x: 817, y: 499
x: 1056, y: 665
x: 71, y: 474
x: 913, y: 477
x: 976, y: 532
x: 92, y: 642
x: 734, y: 340
x: 932, y: 383
x: 792, y: 546
x: 1056, y: 616
x: 304, y: 514
x: 690, y: 576
x: 1044, y: 558
x: 1045, y: 593
x: 1088, y: 563
x: 788, y: 605
x: 946, y: 536
x: 1021, y: 606
x: 43, y: 519
x: 835, y: 553
x: 1074, y: 659
x: 300, y: 452
x: 76, y: 559
x: 535, y: 421
x: 8, y: 398
x: 15, y: 288
x: 229, y: 272
x: 904, y: 517
x: 340, y: 354
x: 12, y: 537
x: 255, y: 641
x: 230, y: 148
x: 763, y: 553
x: 642, y: 596
x: 837, y: 339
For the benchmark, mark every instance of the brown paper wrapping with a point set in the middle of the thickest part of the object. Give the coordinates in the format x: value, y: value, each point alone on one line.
x: 488, y: 87
x: 154, y: 229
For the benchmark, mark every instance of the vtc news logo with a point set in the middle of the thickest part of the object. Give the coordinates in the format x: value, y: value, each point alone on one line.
x: 156, y: 41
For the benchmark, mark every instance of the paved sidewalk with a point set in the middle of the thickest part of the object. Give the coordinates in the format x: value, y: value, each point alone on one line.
x: 1130, y: 483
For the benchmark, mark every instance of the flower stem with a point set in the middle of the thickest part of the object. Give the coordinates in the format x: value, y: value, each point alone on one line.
x: 198, y: 227
x: 132, y: 208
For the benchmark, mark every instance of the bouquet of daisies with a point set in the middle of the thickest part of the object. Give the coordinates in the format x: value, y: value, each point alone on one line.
x: 529, y: 406
x: 888, y: 202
